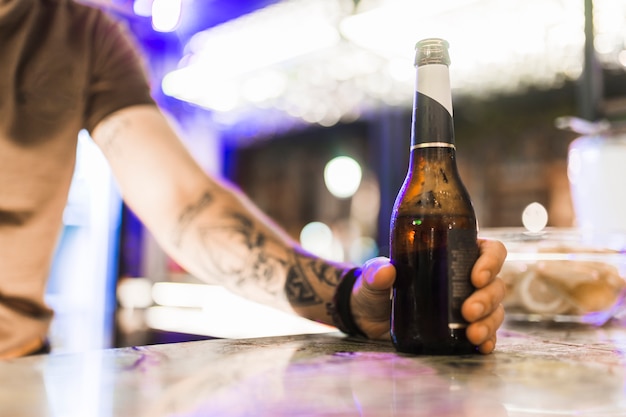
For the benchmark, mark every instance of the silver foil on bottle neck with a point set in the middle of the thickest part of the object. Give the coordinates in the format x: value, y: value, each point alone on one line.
x: 432, y: 51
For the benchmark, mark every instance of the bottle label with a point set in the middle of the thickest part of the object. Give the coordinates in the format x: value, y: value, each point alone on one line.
x: 432, y: 110
x: 434, y: 81
x: 462, y: 254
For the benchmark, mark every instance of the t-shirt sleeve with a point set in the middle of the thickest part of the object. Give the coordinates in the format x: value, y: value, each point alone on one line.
x: 118, y: 74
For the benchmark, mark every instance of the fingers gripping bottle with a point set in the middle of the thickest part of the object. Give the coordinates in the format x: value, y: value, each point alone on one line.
x: 433, y: 225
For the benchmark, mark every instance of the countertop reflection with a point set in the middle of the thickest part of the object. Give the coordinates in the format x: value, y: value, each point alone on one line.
x: 536, y: 371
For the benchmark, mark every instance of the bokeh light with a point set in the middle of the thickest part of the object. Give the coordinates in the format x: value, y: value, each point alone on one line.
x: 535, y: 217
x: 166, y: 14
x: 363, y: 249
x: 342, y: 176
x: 317, y: 238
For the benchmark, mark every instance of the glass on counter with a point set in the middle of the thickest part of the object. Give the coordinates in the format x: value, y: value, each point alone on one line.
x: 558, y: 275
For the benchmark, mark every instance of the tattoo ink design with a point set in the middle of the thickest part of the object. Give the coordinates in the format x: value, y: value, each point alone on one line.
x: 299, y: 290
x: 189, y: 214
x: 231, y: 247
x: 325, y: 273
x: 234, y: 249
x: 110, y: 134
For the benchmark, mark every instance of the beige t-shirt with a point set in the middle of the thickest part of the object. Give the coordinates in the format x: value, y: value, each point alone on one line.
x: 63, y: 67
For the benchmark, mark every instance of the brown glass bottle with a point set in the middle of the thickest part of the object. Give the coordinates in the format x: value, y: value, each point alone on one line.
x: 433, y: 224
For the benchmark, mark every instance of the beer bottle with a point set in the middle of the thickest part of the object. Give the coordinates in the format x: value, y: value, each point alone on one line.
x: 433, y: 224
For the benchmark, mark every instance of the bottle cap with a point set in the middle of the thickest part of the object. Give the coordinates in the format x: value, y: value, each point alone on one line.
x: 432, y: 51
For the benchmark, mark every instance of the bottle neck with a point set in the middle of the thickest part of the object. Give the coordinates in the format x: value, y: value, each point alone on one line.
x: 433, y: 124
x: 432, y: 159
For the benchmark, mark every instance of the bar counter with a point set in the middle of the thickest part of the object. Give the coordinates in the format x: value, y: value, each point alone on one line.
x: 535, y: 371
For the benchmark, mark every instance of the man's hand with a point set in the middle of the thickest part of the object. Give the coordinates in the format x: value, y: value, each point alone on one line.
x: 483, y: 309
x: 371, y: 306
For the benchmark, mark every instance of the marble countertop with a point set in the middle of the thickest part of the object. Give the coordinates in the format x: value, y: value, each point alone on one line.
x: 535, y: 371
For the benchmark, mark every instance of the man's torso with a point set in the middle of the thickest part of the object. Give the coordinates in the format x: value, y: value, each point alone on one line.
x: 58, y: 72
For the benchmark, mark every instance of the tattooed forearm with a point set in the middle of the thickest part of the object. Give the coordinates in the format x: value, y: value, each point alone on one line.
x: 230, y: 246
x: 326, y: 274
x: 298, y: 286
x: 298, y: 289
x: 234, y: 249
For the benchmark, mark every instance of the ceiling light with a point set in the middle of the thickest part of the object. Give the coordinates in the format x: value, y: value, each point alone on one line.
x: 337, y: 62
x: 143, y: 8
x: 166, y: 14
x: 260, y: 40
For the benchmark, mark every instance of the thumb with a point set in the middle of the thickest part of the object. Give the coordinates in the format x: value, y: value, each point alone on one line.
x: 378, y: 274
x: 371, y: 305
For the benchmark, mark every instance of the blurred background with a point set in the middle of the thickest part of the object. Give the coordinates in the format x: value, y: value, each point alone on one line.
x: 306, y: 105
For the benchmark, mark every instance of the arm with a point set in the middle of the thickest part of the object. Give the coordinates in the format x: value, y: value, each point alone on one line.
x: 207, y: 225
x: 213, y: 231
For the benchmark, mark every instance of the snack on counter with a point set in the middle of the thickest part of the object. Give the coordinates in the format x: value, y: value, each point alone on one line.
x: 562, y: 286
x: 557, y: 277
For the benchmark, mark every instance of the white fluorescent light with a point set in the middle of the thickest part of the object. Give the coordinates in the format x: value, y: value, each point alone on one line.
x: 143, y: 8
x: 276, y: 34
x: 496, y: 47
x: 166, y: 14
